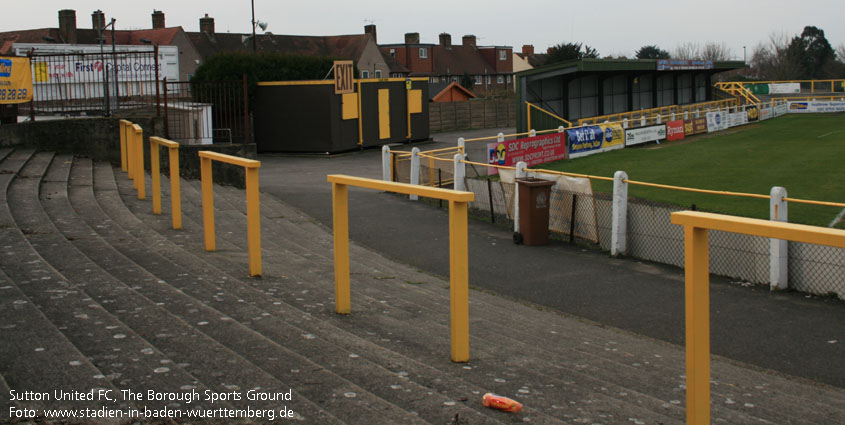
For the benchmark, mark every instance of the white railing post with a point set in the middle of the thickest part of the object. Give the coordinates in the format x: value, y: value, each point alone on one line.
x: 686, y: 115
x: 520, y: 174
x: 500, y: 137
x: 460, y: 172
x: 533, y: 133
x: 642, y: 121
x: 462, y: 145
x: 415, y: 170
x: 778, y: 248
x: 619, y: 214
x: 560, y: 129
x: 672, y: 117
x: 385, y: 163
x: 625, y: 123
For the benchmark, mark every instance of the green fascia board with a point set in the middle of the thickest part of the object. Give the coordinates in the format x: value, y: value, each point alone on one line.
x: 616, y: 65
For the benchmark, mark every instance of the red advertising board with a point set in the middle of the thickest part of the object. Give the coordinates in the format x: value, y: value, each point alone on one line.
x: 531, y: 150
x: 675, y: 130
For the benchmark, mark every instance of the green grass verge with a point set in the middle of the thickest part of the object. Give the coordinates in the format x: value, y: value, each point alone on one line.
x: 803, y: 153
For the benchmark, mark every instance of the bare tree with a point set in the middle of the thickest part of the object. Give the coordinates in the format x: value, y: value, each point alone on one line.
x: 715, y: 51
x: 773, y: 60
x: 840, y: 52
x: 688, y: 51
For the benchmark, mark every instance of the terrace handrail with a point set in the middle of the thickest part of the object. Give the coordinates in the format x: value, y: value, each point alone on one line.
x: 697, y: 287
x: 458, y: 249
x: 175, y: 189
x: 253, y: 209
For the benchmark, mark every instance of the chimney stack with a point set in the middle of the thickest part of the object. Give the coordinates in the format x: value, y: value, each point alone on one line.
x: 412, y: 38
x: 371, y: 29
x: 207, y: 25
x: 67, y: 25
x: 528, y: 49
x: 98, y: 20
x: 158, y: 19
x: 446, y: 40
x: 469, y: 40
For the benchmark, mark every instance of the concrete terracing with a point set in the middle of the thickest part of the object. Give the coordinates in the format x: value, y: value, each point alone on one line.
x: 96, y: 292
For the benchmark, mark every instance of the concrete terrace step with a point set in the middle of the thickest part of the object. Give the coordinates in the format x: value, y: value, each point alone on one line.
x: 445, y: 332
x: 607, y: 360
x: 350, y: 364
x: 114, y: 267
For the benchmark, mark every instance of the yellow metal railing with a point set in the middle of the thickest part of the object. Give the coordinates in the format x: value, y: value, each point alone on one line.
x: 124, y: 137
x: 458, y: 249
x: 135, y: 158
x: 737, y: 89
x: 253, y: 209
x: 529, y: 106
x: 664, y: 113
x: 832, y: 83
x: 697, y: 288
x: 175, y: 191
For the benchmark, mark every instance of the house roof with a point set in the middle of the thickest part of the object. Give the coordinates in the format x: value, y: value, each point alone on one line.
x: 160, y: 36
x: 535, y: 60
x: 459, y: 59
x: 438, y: 90
x: 339, y: 46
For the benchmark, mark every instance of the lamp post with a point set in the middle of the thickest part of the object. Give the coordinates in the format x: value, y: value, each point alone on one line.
x: 253, y: 25
x: 744, y: 62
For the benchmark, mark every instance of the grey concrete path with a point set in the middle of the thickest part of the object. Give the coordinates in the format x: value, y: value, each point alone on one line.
x: 791, y: 333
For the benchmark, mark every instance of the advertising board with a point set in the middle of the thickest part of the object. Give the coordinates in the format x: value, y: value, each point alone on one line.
x: 531, y: 150
x: 737, y: 118
x: 593, y: 139
x: 781, y: 109
x: 15, y: 80
x: 785, y: 88
x: 766, y: 112
x: 816, y: 106
x: 675, y: 130
x: 682, y: 64
x: 640, y: 135
x: 716, y: 121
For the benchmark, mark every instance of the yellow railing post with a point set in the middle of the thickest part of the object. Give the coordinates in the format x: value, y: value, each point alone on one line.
x: 458, y: 249
x: 340, y: 227
x: 697, y: 301
x: 459, y: 280
x: 528, y: 115
x: 175, y: 190
x: 253, y: 221
x: 130, y: 150
x: 253, y: 208
x: 124, y: 126
x: 156, y: 177
x: 140, y: 183
x: 207, y: 203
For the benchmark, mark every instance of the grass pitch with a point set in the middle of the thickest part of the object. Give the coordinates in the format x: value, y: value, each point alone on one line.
x: 803, y: 153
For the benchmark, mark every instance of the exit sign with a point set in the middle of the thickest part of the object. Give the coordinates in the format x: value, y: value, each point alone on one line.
x: 343, y: 72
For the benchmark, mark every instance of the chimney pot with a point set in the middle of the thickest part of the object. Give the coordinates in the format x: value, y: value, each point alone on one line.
x: 371, y: 29
x: 207, y: 24
x: 446, y: 40
x: 98, y: 20
x: 158, y: 19
x: 412, y: 38
x: 67, y: 25
x: 528, y: 49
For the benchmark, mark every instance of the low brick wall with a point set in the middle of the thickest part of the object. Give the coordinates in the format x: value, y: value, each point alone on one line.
x: 99, y: 139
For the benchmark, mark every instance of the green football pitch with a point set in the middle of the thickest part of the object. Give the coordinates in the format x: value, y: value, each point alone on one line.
x: 803, y: 153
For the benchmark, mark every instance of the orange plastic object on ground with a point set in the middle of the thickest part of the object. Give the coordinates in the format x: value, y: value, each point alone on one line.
x: 501, y: 402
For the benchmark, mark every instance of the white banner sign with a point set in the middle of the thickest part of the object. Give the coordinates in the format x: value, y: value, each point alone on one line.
x: 766, y: 112
x: 716, y: 121
x: 644, y: 135
x: 87, y: 69
x: 781, y: 109
x: 737, y: 118
x: 785, y: 88
x: 815, y: 106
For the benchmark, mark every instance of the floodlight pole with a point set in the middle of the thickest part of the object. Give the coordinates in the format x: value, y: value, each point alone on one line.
x: 253, y: 25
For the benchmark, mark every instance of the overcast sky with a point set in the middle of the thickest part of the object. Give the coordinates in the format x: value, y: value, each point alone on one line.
x: 613, y: 27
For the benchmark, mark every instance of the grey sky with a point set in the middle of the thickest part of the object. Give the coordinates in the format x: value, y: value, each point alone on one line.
x: 611, y: 26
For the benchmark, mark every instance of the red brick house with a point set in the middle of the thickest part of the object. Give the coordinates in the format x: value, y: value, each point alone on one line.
x: 489, y: 67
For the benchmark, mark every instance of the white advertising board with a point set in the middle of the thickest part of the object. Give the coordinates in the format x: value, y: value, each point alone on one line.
x: 815, y: 106
x: 716, y: 121
x: 640, y: 135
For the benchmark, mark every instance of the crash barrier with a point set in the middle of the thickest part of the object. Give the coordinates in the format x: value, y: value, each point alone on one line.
x: 696, y: 227
x: 253, y: 209
x: 175, y: 191
x: 548, y: 117
x: 458, y: 251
